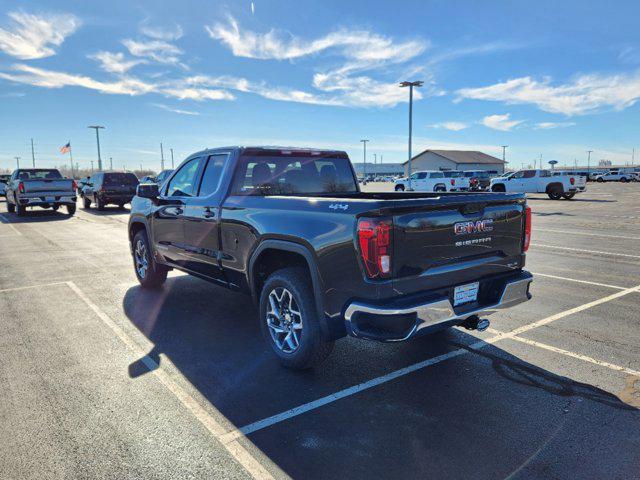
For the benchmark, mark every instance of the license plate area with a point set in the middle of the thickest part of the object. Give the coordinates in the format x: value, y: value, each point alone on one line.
x: 465, y: 293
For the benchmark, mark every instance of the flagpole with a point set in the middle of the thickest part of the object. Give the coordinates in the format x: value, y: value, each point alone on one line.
x: 71, y: 157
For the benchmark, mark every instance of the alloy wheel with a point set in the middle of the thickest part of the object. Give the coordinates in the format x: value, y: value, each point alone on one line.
x: 142, y: 261
x: 284, y: 320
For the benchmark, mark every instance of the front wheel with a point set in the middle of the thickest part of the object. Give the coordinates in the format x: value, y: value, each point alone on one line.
x: 399, y: 188
x: 86, y: 203
x: 568, y: 195
x: 149, y: 273
x: 71, y: 209
x: 20, y: 210
x: 99, y: 204
x: 624, y: 180
x: 600, y: 180
x: 289, y: 319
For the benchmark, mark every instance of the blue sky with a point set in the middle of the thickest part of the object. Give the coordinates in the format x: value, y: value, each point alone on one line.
x: 550, y: 78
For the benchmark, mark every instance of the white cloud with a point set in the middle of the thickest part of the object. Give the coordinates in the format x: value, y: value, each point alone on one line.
x: 174, y: 110
x: 36, y: 36
x: 115, y: 62
x: 550, y: 125
x: 38, y: 77
x: 453, y: 126
x: 156, y: 50
x: 160, y: 33
x: 586, y: 94
x: 357, y: 44
x: 500, y: 122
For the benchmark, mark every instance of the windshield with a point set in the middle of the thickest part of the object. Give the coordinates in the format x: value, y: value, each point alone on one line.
x: 291, y: 175
x: 120, y: 179
x: 39, y: 174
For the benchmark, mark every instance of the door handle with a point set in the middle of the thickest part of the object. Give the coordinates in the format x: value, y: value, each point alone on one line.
x: 208, y: 213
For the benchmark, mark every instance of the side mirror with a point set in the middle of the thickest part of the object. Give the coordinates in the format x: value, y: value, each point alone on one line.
x: 148, y: 190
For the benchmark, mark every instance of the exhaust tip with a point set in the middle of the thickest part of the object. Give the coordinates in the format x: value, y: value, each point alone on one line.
x: 476, y: 323
x: 483, y: 324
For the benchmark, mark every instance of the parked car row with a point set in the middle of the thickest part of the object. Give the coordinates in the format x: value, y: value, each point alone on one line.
x: 445, y: 181
x: 556, y: 185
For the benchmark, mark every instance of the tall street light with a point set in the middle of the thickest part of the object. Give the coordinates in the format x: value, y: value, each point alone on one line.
x: 98, y: 127
x: 589, y: 161
x: 418, y: 83
x: 364, y: 144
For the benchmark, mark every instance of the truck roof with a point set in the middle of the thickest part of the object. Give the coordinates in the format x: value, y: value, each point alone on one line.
x: 274, y: 148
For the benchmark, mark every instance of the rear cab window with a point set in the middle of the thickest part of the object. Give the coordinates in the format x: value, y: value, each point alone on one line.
x: 117, y: 178
x: 39, y: 174
x: 273, y: 172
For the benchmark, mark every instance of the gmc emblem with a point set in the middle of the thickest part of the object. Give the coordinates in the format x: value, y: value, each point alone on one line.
x: 481, y: 226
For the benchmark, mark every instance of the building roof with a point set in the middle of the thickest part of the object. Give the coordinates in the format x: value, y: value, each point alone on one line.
x: 463, y: 156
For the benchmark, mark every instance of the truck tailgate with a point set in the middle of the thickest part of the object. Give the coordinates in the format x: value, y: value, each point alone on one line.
x: 456, y: 242
x: 48, y: 186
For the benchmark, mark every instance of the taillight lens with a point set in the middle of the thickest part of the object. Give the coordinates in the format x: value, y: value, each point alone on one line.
x: 572, y: 180
x: 74, y: 184
x: 527, y: 229
x: 374, y: 239
x: 453, y: 182
x: 21, y: 187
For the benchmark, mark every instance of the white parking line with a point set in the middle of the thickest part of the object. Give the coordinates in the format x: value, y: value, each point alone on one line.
x: 6, y: 221
x: 578, y: 356
x: 261, y: 424
x: 15, y: 289
x: 237, y: 451
x: 586, y: 233
x: 585, y: 251
x: 567, y: 279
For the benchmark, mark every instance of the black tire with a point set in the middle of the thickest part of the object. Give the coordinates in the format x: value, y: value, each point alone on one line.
x: 120, y: 206
x: 498, y: 188
x: 399, y: 188
x: 439, y: 188
x: 599, y: 180
x: 55, y: 208
x: 11, y: 208
x: 154, y: 275
x: 624, y: 180
x: 86, y: 203
x: 20, y: 210
x: 312, y: 349
x: 99, y: 204
x: 569, y: 195
x: 71, y: 209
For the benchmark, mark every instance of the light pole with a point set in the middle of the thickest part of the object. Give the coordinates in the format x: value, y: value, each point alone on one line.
x: 110, y: 163
x: 418, y: 83
x: 504, y: 148
x: 97, y: 128
x: 33, y: 155
x: 172, y: 167
x: 17, y: 162
x: 91, y: 166
x: 589, y: 161
x: 364, y: 167
x: 161, y: 157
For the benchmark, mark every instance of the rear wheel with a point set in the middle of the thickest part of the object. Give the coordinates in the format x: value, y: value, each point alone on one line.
x: 289, y: 319
x: 440, y: 188
x: 55, y: 208
x: 498, y: 188
x: 624, y: 180
x: 11, y: 208
x: 86, y: 203
x: 599, y: 179
x: 20, y: 209
x: 569, y: 195
x: 149, y: 273
x: 99, y: 203
x: 121, y: 206
x: 71, y: 209
x: 399, y: 188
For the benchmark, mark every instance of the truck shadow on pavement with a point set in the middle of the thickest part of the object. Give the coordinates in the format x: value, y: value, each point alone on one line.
x: 482, y: 414
x: 106, y: 212
x: 573, y: 200
x: 38, y: 216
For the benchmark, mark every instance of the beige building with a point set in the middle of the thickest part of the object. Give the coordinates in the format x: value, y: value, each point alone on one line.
x: 454, y: 160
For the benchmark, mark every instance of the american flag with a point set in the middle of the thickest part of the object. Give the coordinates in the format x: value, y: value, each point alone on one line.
x: 65, y: 148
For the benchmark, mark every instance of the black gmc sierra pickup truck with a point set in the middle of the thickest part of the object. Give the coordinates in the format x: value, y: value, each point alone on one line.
x: 323, y: 259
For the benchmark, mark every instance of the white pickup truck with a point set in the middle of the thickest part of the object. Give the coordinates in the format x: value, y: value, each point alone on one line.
x: 540, y: 181
x: 433, y: 181
x: 616, y: 176
x: 40, y: 187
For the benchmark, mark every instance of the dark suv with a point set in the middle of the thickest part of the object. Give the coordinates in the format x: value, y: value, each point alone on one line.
x: 104, y: 188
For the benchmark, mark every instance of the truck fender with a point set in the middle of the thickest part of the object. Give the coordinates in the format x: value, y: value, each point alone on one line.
x: 555, y: 186
x: 289, y: 246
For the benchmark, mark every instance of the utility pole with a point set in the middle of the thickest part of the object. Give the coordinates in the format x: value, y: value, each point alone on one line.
x: 161, y: 157
x: 504, y: 148
x: 17, y: 162
x: 172, y: 167
x: 633, y: 156
x: 33, y: 155
x: 97, y: 128
x: 364, y: 167
x: 110, y: 163
x: 410, y: 85
x: 91, y: 166
x: 589, y: 161
x: 141, y: 169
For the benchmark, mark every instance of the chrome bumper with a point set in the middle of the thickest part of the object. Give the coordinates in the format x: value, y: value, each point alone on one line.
x: 439, y: 312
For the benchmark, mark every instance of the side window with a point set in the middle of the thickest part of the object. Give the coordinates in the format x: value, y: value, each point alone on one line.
x: 212, y: 174
x: 545, y: 173
x: 183, y: 182
x: 437, y: 175
x: 519, y: 174
x: 422, y: 176
x: 529, y: 174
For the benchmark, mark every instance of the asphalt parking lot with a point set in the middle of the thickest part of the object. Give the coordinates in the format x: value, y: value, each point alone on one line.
x: 99, y: 379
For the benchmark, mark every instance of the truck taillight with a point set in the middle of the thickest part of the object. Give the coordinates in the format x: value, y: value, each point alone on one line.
x: 527, y: 229
x: 21, y: 187
x: 74, y: 184
x: 453, y: 182
x: 374, y: 240
x: 572, y: 180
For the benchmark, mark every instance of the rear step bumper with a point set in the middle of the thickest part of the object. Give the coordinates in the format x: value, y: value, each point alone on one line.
x: 393, y: 324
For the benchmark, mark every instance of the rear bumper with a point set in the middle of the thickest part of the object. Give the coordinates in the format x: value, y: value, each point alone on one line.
x: 116, y: 198
x: 47, y: 200
x: 398, y: 323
